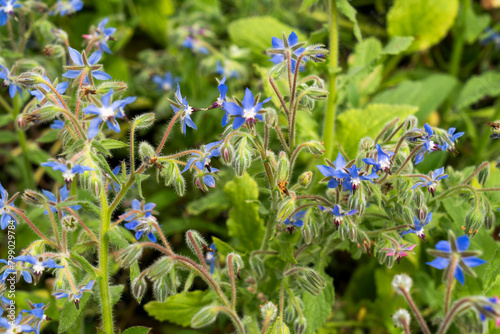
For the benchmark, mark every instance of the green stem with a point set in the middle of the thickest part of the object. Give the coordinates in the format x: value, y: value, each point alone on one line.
x: 458, y: 45
x: 329, y: 127
x: 234, y: 317
x: 106, y: 306
x: 415, y: 310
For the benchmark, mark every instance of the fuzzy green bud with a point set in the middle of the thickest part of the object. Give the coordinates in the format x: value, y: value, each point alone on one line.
x: 286, y: 208
x: 308, y: 279
x: 315, y: 147
x: 30, y: 79
x: 283, y: 168
x: 242, y: 156
x: 299, y: 325
x: 482, y: 177
x: 305, y: 179
x: 257, y: 266
x: 160, y: 290
x: 144, y: 121
x: 206, y: 316
x: 117, y: 86
x: 54, y: 50
x: 34, y: 198
x: 139, y: 287
x: 127, y: 256
x: 195, y: 241
x: 146, y: 151
x: 366, y: 144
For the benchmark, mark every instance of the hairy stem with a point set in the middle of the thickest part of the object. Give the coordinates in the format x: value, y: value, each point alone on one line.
x: 415, y: 310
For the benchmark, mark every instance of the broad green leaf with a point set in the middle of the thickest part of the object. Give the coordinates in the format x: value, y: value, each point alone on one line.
x: 475, y: 25
x: 111, y: 144
x: 256, y: 32
x: 398, y: 44
x: 478, y: 87
x: 354, y: 124
x: 244, y: 223
x: 116, y: 293
x: 137, y: 330
x: 180, y: 308
x: 348, y: 10
x: 222, y: 247
x: 116, y: 237
x: 427, y: 94
x: 366, y: 75
x: 318, y: 308
x: 215, y: 201
x: 284, y: 245
x: 70, y: 314
x: 427, y: 20
x: 87, y: 267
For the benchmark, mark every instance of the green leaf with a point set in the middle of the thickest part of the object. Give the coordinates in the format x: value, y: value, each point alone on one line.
x: 116, y: 237
x: 134, y: 271
x: 7, y: 137
x: 70, y: 314
x: 137, y: 330
x: 306, y: 4
x: 478, y: 87
x: 475, y: 25
x: 116, y: 293
x: 284, y: 245
x: 256, y: 32
x: 48, y: 136
x: 427, y: 95
x: 398, y: 44
x: 212, y: 202
x: 112, y: 144
x: 355, y: 124
x: 153, y: 14
x: 427, y: 20
x: 348, y: 11
x: 244, y: 222
x: 180, y: 308
x: 222, y: 247
x: 318, y: 308
x: 87, y: 267
x: 5, y: 119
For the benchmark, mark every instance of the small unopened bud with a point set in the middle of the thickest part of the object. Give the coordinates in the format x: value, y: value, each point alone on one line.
x: 473, y: 220
x: 315, y: 147
x: 160, y: 290
x: 30, y: 79
x: 269, y: 311
x: 401, y: 318
x: 482, y: 177
x: 299, y: 325
x: 489, y: 219
x: 54, y: 50
x: 286, y: 208
x: 206, y: 316
x: 144, y: 121
x: 257, y: 266
x: 305, y: 179
x: 130, y: 254
x: 236, y: 260
x: 271, y: 158
x: 139, y: 287
x: 69, y: 222
x: 146, y: 151
x: 242, y: 157
x: 366, y: 144
x: 400, y: 282
x: 195, y: 241
x: 34, y: 198
x: 283, y: 167
x: 227, y: 153
x: 279, y: 327
x: 118, y: 87
x: 308, y: 279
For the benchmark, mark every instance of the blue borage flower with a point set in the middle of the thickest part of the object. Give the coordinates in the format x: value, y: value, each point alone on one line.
x: 194, y: 44
x: 223, y: 70
x: 337, y: 213
x: 281, y: 46
x: 44, y: 91
x: 352, y: 178
x: 38, y: 264
x: 221, y: 100
x: 428, y: 144
x: 295, y: 221
x: 7, y: 77
x: 15, y: 326
x: 456, y: 249
x: 20, y: 271
x: 203, y: 161
x: 330, y: 171
x: 67, y: 168
x: 181, y: 105
x: 249, y: 111
x: 67, y: 7
x: 101, y: 35
x: 6, y: 9
x: 431, y: 182
x: 6, y: 206
x: 382, y: 161
x: 106, y: 113
x: 491, y: 311
x: 165, y: 83
x: 120, y: 111
x: 38, y: 313
x: 84, y: 66
x: 74, y: 296
x: 453, y: 137
x: 54, y: 200
x: 140, y: 219
x: 418, y: 229
x: 210, y: 258
x: 58, y: 125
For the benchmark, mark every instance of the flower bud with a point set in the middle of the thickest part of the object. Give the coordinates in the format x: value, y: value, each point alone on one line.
x: 286, y: 208
x: 129, y: 255
x: 30, y: 79
x: 299, y: 325
x: 308, y: 279
x: 305, y: 179
x: 489, y: 219
x: 54, y: 50
x: 117, y: 86
x: 401, y: 318
x: 160, y: 290
x: 243, y: 157
x: 206, y: 316
x: 146, y: 151
x: 402, y: 282
x: 227, y: 153
x: 279, y: 327
x: 180, y: 184
x: 419, y: 198
x: 482, y: 177
x: 315, y: 147
x: 69, y: 222
x: 283, y: 168
x: 139, y: 287
x: 269, y: 311
x: 236, y: 260
x: 257, y: 266
x: 195, y: 241
x: 366, y: 144
x: 473, y: 220
x: 144, y: 121
x: 34, y: 198
x: 41, y: 115
x: 271, y: 158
